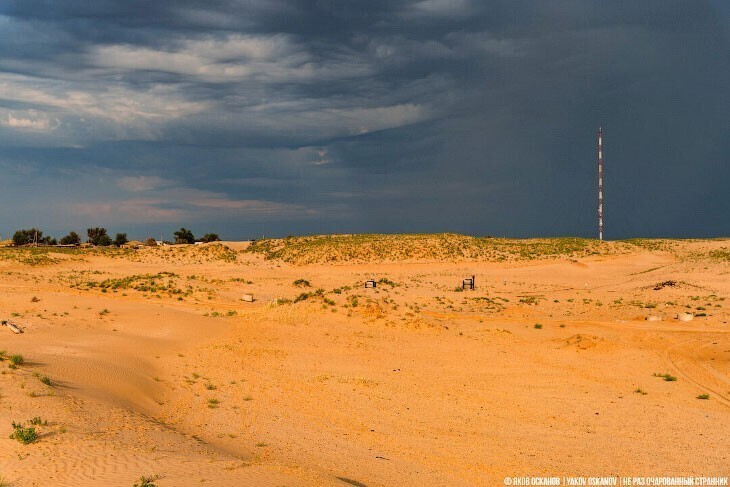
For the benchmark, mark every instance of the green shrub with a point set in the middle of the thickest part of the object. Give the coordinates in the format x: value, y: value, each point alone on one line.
x: 147, y: 481
x: 302, y: 297
x: 24, y: 435
x: 666, y: 377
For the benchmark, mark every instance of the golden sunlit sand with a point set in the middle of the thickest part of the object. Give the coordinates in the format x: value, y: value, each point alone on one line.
x: 148, y: 362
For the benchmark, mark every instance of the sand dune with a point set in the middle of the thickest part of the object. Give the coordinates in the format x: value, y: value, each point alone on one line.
x: 156, y: 365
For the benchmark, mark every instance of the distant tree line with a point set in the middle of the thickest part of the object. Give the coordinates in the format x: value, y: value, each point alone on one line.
x: 32, y: 235
x: 99, y: 237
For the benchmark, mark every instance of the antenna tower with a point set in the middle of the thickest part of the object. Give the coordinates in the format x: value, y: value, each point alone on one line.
x: 600, y: 183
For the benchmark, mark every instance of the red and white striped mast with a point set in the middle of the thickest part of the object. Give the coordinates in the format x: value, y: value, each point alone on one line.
x: 600, y: 183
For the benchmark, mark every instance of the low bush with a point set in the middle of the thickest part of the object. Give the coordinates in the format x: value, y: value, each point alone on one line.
x: 23, y: 434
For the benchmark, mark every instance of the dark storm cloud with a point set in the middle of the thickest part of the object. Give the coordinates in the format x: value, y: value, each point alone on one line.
x: 286, y: 116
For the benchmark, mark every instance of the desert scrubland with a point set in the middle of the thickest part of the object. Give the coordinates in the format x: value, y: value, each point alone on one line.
x: 148, y: 362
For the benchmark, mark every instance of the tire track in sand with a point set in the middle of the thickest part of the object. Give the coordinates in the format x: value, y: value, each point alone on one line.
x: 683, y: 372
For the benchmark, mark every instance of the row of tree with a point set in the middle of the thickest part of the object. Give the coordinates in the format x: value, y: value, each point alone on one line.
x: 185, y: 236
x: 98, y: 236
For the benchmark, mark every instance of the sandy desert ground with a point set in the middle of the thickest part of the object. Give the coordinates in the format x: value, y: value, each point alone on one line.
x: 148, y: 362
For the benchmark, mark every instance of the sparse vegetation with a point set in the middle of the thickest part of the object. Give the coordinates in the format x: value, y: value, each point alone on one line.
x: 31, y: 256
x: 161, y: 283
x: 420, y: 323
x: 23, y: 434
x: 305, y: 296
x: 145, y: 481
x: 434, y: 247
x: 720, y: 254
x: 661, y: 285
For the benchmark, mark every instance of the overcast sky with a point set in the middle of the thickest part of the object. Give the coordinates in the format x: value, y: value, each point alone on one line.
x: 282, y: 117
